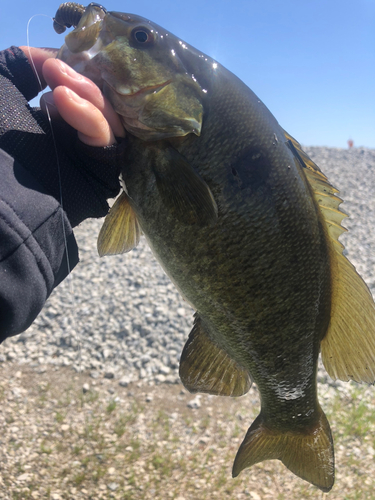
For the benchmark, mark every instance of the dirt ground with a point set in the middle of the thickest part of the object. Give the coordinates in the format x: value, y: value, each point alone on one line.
x: 68, y: 436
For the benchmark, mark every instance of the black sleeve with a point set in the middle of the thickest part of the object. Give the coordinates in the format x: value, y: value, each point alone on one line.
x: 36, y: 244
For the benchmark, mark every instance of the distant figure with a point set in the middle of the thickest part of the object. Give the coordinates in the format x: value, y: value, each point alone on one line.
x: 350, y: 143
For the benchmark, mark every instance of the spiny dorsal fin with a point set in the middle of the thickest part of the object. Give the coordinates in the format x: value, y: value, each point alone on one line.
x: 205, y: 367
x: 120, y: 232
x: 325, y: 193
x: 348, y: 348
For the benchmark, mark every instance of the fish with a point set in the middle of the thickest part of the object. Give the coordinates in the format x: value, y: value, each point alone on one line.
x: 246, y: 226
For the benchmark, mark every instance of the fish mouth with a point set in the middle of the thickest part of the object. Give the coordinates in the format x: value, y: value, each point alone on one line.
x: 130, y: 92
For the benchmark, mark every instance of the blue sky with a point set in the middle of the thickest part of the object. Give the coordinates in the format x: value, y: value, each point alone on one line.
x: 312, y: 62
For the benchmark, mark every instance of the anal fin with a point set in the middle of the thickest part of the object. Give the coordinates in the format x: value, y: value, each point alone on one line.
x: 205, y: 367
x: 307, y: 453
x: 120, y: 232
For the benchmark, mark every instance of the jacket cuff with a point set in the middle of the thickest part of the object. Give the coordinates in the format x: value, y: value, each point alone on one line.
x: 106, y: 163
x: 15, y: 66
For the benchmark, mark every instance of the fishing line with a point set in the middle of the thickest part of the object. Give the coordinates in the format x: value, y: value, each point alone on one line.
x: 54, y: 143
x: 69, y: 277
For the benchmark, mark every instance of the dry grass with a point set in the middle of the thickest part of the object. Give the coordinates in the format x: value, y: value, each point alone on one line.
x: 143, y: 442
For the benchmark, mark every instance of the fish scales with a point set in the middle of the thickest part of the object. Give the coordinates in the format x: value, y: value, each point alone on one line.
x: 260, y: 289
x: 245, y: 225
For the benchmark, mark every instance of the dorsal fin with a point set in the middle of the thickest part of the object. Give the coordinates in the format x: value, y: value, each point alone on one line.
x: 325, y: 193
x: 348, y: 348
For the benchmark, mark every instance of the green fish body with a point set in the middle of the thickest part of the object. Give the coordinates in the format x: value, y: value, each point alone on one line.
x: 245, y: 225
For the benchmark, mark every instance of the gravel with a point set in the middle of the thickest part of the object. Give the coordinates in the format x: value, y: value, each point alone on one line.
x: 121, y: 317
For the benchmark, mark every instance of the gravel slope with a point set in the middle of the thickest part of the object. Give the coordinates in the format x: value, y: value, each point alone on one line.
x: 69, y: 436
x: 121, y: 317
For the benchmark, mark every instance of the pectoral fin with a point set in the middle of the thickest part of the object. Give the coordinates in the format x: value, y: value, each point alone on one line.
x: 308, y: 453
x: 120, y: 232
x: 348, y: 348
x: 183, y: 191
x: 205, y: 367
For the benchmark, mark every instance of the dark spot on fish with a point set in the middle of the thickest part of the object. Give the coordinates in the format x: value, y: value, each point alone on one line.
x: 251, y: 169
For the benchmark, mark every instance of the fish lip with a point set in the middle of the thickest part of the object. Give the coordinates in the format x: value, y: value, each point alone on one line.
x: 145, y: 90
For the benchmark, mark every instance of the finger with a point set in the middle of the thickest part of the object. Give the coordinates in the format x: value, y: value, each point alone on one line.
x: 37, y: 57
x: 48, y: 106
x: 57, y: 73
x: 93, y: 128
x: 91, y: 120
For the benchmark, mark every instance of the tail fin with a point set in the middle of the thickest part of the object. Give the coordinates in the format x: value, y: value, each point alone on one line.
x: 307, y: 454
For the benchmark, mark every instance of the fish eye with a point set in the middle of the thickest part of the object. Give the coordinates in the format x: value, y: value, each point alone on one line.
x: 142, y: 35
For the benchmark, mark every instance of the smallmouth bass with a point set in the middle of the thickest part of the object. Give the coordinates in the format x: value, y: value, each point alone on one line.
x: 244, y: 224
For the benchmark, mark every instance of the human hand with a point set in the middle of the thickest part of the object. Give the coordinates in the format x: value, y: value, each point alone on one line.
x: 76, y: 99
x: 80, y: 174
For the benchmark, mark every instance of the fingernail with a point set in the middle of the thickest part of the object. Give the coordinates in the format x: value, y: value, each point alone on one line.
x: 47, y: 100
x: 48, y: 106
x: 67, y: 70
x: 62, y: 66
x: 73, y: 96
x: 50, y: 50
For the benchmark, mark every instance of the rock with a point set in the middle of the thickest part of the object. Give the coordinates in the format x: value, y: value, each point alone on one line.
x: 195, y: 403
x: 85, y: 388
x: 23, y: 477
x: 112, y: 486
x: 254, y: 495
x: 165, y: 370
x: 125, y: 381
